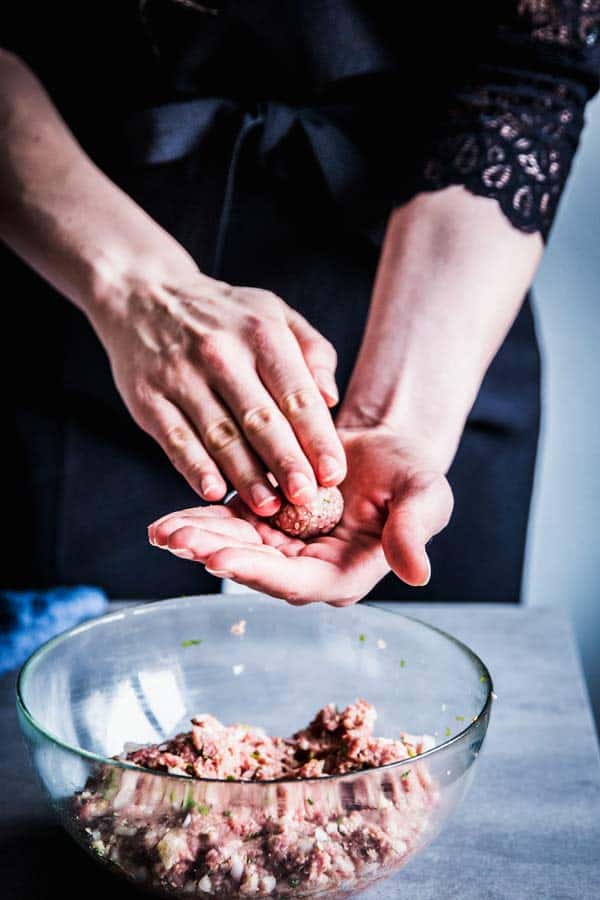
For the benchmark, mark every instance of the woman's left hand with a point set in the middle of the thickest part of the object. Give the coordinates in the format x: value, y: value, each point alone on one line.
x: 395, y: 501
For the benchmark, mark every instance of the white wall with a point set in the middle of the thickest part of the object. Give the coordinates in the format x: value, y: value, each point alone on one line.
x: 564, y: 541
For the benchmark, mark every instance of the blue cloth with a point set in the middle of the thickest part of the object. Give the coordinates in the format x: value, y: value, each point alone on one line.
x: 28, y: 618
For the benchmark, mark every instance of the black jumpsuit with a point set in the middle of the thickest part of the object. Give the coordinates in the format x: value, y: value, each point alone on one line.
x: 273, y: 139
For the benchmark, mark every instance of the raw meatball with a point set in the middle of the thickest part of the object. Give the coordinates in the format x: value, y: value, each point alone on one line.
x: 317, y: 517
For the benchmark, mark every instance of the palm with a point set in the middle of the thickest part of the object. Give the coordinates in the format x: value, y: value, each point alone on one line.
x: 384, y: 481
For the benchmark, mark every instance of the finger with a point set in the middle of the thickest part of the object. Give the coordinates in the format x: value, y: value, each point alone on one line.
x: 283, y: 370
x: 291, y: 546
x: 201, y: 543
x: 272, y: 536
x: 319, y: 353
x: 266, y: 429
x: 421, y: 509
x: 227, y: 445
x: 300, y: 579
x: 229, y: 528
x: 181, y: 443
x: 220, y: 510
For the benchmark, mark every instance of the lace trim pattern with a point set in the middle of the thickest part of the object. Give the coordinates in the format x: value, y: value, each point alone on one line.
x: 516, y: 142
x: 515, y: 149
x: 566, y: 23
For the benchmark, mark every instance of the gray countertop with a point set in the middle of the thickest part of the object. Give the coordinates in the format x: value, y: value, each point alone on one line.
x: 528, y: 830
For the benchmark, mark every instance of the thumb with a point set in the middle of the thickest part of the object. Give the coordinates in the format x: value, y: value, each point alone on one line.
x: 421, y: 508
x: 319, y: 354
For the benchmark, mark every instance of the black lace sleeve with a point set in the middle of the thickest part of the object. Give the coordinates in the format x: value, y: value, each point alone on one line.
x: 513, y: 127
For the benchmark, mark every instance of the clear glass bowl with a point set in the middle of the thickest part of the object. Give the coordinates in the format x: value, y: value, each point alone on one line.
x: 140, y: 674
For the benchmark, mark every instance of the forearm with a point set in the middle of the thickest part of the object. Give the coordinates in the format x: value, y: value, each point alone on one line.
x: 59, y: 212
x: 452, y: 276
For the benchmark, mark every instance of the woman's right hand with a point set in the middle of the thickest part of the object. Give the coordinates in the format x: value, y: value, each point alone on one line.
x: 230, y: 381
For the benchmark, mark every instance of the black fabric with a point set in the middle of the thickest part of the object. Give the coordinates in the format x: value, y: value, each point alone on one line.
x: 342, y: 125
x: 488, y: 95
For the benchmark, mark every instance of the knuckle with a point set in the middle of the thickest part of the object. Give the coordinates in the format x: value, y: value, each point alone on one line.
x: 175, y: 384
x: 177, y: 438
x: 245, y: 481
x: 448, y: 503
x: 223, y: 288
x: 287, y: 463
x: 296, y: 402
x: 328, y: 351
x: 270, y: 299
x: 259, y: 301
x: 262, y: 335
x: 331, y: 349
x: 212, y: 352
x: 195, y: 469
x: 422, y: 481
x: 177, y: 442
x: 143, y: 393
x: 252, y: 322
x: 146, y: 421
x: 258, y: 419
x: 220, y: 435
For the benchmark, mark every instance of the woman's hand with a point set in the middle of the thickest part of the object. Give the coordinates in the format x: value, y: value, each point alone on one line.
x: 395, y: 501
x: 230, y: 381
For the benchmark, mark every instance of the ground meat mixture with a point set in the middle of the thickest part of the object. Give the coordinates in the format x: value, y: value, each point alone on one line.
x: 294, y: 837
x: 319, y: 516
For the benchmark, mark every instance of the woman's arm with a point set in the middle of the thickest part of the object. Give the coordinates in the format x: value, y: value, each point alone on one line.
x: 229, y: 381
x: 452, y: 276
x: 60, y: 212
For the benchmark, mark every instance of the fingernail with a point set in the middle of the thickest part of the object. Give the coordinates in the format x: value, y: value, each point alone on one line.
x: 326, y: 382
x: 299, y: 484
x: 219, y: 573
x: 261, y: 495
x: 329, y: 468
x: 209, y: 483
x: 427, y: 580
x: 184, y: 554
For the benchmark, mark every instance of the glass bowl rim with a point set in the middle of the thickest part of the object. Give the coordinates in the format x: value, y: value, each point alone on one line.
x: 89, y: 624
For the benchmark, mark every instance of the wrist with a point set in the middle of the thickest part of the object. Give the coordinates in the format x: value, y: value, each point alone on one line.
x: 435, y: 447
x: 110, y: 278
